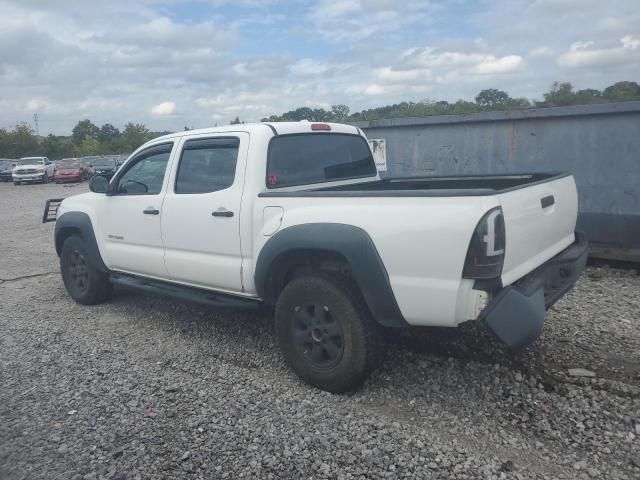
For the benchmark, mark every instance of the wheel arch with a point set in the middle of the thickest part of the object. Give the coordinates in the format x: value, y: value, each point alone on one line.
x: 79, y: 223
x: 342, y: 247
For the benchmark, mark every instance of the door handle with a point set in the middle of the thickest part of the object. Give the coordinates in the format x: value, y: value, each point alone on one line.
x: 222, y: 213
x: 151, y: 211
x: 547, y: 201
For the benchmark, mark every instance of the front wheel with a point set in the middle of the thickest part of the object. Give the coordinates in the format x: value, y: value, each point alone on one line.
x: 85, y: 283
x: 45, y: 178
x: 16, y: 183
x: 325, y: 332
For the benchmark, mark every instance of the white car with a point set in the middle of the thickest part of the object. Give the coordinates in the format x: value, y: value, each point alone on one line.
x: 33, y: 169
x: 295, y: 216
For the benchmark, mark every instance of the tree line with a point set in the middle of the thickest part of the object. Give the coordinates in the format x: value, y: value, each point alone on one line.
x: 560, y: 94
x: 86, y: 139
x: 89, y: 139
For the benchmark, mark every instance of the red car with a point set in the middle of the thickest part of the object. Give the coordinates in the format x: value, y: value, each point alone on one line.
x: 70, y: 171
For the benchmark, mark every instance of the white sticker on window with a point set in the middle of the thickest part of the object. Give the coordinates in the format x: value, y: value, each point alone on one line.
x: 379, y: 149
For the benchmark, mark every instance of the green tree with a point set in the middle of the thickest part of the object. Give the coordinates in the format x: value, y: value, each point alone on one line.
x: 90, y: 146
x: 108, y: 133
x: 493, y: 99
x: 622, y: 91
x: 84, y: 129
x: 56, y: 148
x: 235, y: 121
x: 338, y: 113
x: 133, y: 135
x: 559, y: 95
x: 21, y: 141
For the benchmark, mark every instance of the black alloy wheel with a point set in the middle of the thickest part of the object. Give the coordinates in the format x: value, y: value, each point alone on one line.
x: 326, y: 333
x: 317, y: 335
x: 79, y: 272
x: 84, y: 282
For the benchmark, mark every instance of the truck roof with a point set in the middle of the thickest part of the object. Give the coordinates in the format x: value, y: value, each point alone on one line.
x: 278, y: 128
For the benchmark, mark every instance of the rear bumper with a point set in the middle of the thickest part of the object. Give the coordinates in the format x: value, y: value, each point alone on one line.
x: 516, y: 314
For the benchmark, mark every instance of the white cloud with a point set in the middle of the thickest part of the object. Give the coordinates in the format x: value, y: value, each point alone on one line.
x: 116, y: 61
x: 490, y: 64
x: 390, y: 75
x: 349, y: 20
x: 540, y: 52
x: 308, y: 66
x: 164, y: 108
x: 586, y: 54
x: 479, y: 63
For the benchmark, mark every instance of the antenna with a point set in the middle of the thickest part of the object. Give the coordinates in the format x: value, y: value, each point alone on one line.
x: 35, y: 119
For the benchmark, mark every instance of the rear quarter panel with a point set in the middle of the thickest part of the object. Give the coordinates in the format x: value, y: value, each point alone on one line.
x: 422, y: 243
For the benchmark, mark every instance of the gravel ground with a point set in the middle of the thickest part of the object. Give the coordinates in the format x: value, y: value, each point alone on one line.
x: 143, y: 387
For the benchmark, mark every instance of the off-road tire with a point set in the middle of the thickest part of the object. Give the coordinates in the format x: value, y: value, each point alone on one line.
x: 85, y: 284
x: 337, y: 298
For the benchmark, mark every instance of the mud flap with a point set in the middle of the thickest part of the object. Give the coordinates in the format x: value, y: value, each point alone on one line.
x: 516, y: 316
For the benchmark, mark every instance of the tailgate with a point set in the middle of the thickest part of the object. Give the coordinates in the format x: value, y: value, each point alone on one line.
x: 540, y: 220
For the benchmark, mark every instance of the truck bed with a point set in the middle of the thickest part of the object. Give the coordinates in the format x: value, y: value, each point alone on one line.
x: 426, y: 186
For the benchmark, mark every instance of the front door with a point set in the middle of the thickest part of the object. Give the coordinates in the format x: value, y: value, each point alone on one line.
x: 201, y: 212
x: 130, y: 216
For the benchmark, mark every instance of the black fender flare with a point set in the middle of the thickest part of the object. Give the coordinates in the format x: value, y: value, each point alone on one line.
x: 355, y: 245
x: 71, y: 222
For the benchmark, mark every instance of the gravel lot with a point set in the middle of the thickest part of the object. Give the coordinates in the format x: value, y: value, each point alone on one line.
x: 143, y: 387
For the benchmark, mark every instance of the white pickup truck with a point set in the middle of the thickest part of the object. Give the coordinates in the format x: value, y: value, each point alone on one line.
x: 294, y: 215
x: 33, y: 169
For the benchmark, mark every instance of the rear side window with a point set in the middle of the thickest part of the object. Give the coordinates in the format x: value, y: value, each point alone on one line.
x: 207, y: 165
x: 317, y: 157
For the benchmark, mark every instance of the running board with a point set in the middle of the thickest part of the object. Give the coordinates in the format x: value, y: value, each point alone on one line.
x: 189, y: 294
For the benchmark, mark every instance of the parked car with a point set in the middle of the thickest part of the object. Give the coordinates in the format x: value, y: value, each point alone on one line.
x: 70, y: 170
x: 33, y: 169
x: 88, y: 166
x: 299, y: 219
x: 105, y: 166
x: 5, y: 170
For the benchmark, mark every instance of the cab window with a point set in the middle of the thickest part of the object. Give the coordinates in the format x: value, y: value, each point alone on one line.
x: 207, y: 165
x: 146, y: 172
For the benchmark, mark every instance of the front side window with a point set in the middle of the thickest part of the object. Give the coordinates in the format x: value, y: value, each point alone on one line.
x: 301, y: 159
x: 146, y: 174
x: 207, y: 165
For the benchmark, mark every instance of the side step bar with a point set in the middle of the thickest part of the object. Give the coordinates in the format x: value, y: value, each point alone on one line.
x: 189, y: 294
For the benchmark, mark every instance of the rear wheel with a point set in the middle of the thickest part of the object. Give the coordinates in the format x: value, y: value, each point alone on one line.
x: 85, y: 283
x: 325, y: 332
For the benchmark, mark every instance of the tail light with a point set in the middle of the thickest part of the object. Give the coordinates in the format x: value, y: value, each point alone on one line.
x: 485, y: 255
x: 320, y: 127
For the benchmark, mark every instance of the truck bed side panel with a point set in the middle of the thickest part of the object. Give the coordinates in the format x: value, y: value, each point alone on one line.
x: 422, y: 243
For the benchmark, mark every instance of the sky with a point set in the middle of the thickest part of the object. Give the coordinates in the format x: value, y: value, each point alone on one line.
x: 197, y: 63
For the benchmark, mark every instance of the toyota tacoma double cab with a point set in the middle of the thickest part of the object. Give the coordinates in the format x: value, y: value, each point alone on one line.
x: 295, y: 216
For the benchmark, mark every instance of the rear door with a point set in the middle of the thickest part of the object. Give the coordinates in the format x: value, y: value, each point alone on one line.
x: 201, y: 212
x: 540, y: 221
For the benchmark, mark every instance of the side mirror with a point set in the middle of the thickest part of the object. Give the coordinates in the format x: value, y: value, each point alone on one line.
x: 99, y: 184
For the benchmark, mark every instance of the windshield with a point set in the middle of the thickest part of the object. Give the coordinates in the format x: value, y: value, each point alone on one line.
x: 104, y: 163
x: 30, y: 161
x: 69, y: 164
x: 4, y: 165
x: 317, y: 157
